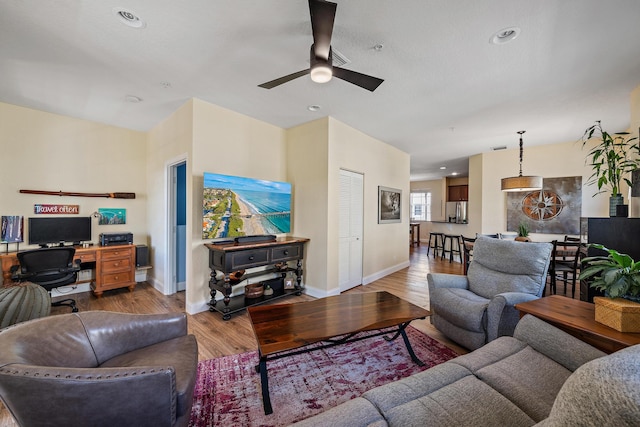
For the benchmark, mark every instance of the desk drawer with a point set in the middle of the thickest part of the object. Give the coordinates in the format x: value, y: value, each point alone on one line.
x: 248, y: 259
x: 284, y: 253
x: 116, y: 253
x: 114, y: 265
x: 124, y: 277
x: 86, y: 257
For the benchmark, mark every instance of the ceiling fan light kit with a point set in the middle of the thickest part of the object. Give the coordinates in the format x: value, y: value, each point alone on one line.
x: 520, y: 182
x: 321, y: 73
x: 323, y: 14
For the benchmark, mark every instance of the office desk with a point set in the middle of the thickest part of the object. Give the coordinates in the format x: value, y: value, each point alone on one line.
x: 115, y: 266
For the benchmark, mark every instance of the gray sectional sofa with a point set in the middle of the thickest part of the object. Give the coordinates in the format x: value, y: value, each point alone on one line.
x: 540, y: 376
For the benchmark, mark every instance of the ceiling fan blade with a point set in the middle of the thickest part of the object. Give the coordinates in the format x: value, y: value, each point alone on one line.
x: 323, y: 14
x: 364, y: 81
x: 285, y: 79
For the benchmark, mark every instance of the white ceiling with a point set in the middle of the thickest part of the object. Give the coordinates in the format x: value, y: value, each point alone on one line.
x: 448, y: 93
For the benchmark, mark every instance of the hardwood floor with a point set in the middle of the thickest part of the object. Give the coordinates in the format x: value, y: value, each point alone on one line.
x: 219, y: 338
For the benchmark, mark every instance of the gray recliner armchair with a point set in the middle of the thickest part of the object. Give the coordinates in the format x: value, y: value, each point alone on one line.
x: 99, y: 368
x: 479, y: 307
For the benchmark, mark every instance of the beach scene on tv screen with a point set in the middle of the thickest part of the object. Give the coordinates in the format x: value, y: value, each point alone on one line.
x: 235, y: 206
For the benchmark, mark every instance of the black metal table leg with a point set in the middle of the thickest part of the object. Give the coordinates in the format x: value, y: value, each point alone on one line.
x: 410, y: 349
x: 266, y: 400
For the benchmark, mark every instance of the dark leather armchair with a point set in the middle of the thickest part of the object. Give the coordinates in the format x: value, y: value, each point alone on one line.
x: 99, y: 368
x: 49, y: 268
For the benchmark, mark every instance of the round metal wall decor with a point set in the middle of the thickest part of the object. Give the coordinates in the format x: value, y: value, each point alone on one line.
x: 542, y: 205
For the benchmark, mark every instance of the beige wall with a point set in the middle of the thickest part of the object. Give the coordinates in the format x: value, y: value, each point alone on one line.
x: 307, y: 169
x: 317, y: 152
x: 168, y: 143
x: 385, y: 246
x: 210, y: 139
x: 228, y: 143
x: 44, y: 151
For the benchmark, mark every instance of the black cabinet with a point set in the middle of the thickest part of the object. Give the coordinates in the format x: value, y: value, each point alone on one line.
x: 265, y: 258
x: 621, y: 234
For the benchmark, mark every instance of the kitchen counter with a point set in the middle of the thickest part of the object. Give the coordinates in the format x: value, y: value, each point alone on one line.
x: 447, y: 222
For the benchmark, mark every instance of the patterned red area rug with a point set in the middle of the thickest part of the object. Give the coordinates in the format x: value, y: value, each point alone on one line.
x: 228, y: 388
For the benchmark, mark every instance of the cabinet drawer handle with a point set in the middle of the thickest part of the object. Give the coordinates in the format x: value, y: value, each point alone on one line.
x: 116, y: 277
x: 251, y: 258
x: 116, y: 264
x: 286, y: 252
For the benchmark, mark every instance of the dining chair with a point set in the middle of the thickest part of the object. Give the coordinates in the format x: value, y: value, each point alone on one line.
x: 467, y: 250
x: 564, y: 265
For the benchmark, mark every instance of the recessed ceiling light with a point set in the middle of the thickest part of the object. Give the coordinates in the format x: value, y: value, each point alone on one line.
x: 378, y: 47
x: 505, y: 35
x: 454, y: 173
x: 133, y: 99
x: 313, y: 107
x: 443, y: 167
x: 128, y: 17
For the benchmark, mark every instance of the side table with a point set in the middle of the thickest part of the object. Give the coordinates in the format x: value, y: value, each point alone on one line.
x: 577, y: 318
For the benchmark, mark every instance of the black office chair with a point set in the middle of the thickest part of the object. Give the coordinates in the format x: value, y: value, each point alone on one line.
x: 49, y: 268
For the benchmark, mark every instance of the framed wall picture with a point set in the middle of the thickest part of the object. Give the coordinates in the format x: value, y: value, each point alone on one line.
x: 389, y: 205
x: 12, y: 229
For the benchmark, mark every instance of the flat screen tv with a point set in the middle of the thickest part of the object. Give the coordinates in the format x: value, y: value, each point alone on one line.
x: 234, y: 206
x: 59, y: 230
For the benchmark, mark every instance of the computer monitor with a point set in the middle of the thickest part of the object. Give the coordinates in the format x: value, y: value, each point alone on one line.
x: 59, y: 230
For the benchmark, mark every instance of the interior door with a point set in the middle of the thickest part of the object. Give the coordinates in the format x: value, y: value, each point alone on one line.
x: 350, y: 229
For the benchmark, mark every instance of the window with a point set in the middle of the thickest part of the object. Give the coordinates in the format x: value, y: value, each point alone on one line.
x: 421, y: 206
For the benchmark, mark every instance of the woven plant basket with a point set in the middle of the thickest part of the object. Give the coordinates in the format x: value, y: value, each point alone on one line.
x: 618, y: 313
x: 23, y: 301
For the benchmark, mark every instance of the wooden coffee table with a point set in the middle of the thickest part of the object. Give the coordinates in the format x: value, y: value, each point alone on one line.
x: 333, y: 321
x: 577, y: 318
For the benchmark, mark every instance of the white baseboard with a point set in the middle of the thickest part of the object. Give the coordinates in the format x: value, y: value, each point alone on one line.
x: 382, y: 273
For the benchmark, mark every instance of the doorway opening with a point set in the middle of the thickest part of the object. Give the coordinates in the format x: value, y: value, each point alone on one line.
x: 177, y: 228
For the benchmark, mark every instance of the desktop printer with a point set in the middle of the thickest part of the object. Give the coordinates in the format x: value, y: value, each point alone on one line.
x: 109, y: 239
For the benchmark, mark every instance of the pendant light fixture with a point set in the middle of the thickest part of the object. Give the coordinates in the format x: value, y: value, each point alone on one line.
x: 522, y: 183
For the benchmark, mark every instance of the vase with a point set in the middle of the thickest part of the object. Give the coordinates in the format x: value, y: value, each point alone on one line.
x: 614, y: 201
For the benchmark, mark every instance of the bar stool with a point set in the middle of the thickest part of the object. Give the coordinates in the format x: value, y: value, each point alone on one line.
x: 453, y: 249
x: 436, y: 242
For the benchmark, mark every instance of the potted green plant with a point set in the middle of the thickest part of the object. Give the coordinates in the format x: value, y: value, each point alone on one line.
x: 618, y: 276
x: 523, y: 232
x: 611, y: 161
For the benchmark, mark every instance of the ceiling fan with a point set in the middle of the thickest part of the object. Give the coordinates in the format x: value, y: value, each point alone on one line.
x: 323, y: 14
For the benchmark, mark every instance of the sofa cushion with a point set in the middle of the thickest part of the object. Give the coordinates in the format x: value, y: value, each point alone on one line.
x: 605, y: 391
x: 421, y: 384
x: 490, y: 353
x: 528, y: 379
x: 466, y: 402
x: 461, y: 308
x: 167, y: 353
x: 353, y: 412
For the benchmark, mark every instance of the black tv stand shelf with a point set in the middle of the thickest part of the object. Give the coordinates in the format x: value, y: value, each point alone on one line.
x: 226, y: 258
